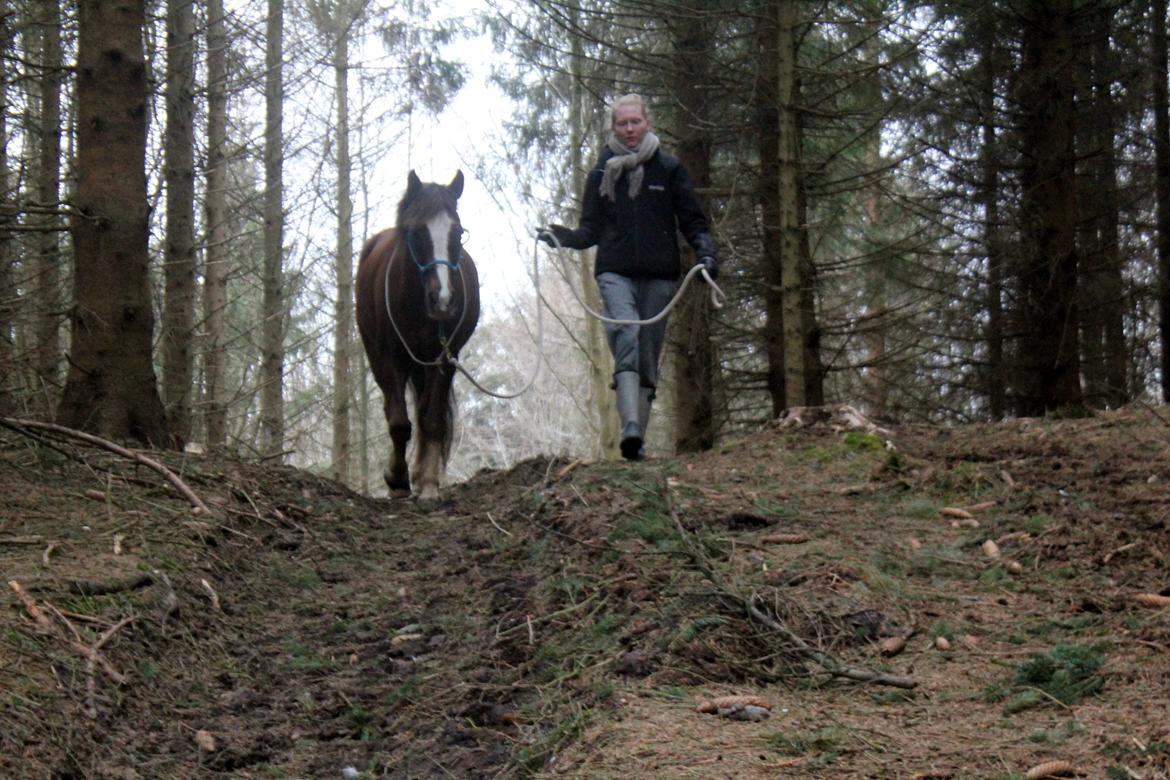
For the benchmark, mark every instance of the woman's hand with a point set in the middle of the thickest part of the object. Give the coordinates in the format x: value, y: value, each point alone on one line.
x: 711, y: 265
x: 554, y: 235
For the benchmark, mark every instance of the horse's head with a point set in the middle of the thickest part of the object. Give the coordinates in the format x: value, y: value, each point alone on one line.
x: 429, y: 223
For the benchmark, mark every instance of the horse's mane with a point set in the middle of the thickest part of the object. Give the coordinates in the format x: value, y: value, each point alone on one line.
x: 430, y: 199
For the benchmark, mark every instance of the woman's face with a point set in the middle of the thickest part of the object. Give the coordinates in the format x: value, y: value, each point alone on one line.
x: 630, y: 125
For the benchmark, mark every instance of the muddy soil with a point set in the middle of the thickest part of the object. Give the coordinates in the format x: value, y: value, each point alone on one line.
x: 567, y: 619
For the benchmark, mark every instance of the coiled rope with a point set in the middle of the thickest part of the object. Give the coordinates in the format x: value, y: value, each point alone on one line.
x: 718, y: 298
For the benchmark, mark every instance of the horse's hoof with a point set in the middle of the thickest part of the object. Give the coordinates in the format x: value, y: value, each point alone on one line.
x: 398, y: 487
x: 428, y: 499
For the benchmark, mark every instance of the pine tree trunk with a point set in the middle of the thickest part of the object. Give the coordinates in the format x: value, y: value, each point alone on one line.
x: 599, y: 357
x: 111, y: 389
x: 791, y: 228
x: 179, y: 269
x: 272, y: 330
x: 8, y: 295
x: 1102, y: 313
x: 215, y: 276
x: 1162, y: 186
x: 363, y: 417
x: 996, y: 371
x: 47, y: 246
x: 363, y: 367
x: 768, y: 130
x: 344, y: 306
x: 1050, y: 363
x: 876, y: 377
x: 694, y: 354
x: 814, y: 371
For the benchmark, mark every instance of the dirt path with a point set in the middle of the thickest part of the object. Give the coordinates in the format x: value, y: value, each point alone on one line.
x: 553, y: 620
x: 352, y: 644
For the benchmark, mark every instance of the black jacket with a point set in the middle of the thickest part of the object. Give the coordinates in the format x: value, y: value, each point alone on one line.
x: 638, y: 237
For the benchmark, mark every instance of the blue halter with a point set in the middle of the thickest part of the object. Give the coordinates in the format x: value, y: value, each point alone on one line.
x: 424, y: 267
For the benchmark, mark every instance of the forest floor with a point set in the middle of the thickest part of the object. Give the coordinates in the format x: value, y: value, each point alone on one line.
x: 566, y: 619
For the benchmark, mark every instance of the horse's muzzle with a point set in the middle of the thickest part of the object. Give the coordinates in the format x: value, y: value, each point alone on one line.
x: 441, y: 308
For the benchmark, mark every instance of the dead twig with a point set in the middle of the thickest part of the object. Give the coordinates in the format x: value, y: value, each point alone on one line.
x: 750, y: 604
x: 117, y: 449
x: 529, y: 621
x: 92, y: 587
x: 15, y: 540
x: 566, y: 470
x: 94, y: 658
x: 258, y: 515
x: 211, y: 594
x: 499, y: 527
x: 1123, y: 548
x: 1149, y: 408
x: 44, y: 626
x: 91, y: 688
x: 61, y: 616
x: 91, y: 653
x: 108, y: 634
x: 77, y: 616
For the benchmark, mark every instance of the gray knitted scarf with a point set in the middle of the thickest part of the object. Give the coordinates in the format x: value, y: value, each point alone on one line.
x: 626, y: 159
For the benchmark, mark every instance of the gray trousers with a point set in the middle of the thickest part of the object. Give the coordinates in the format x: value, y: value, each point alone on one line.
x: 634, y: 347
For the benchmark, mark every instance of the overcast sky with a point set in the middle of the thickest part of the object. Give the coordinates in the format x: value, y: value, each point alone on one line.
x: 470, y: 129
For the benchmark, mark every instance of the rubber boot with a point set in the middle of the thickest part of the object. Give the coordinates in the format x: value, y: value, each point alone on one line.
x: 645, y: 399
x: 629, y: 385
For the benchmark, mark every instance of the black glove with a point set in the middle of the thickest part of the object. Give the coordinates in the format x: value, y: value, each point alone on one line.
x: 712, y: 265
x: 554, y: 235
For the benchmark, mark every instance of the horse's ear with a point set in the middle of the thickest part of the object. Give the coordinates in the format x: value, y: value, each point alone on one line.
x: 456, y: 185
x: 413, y: 184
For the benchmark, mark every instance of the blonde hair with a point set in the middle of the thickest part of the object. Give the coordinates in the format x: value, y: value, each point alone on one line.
x: 631, y: 99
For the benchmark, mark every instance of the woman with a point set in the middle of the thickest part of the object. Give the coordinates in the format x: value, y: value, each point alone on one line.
x: 637, y: 198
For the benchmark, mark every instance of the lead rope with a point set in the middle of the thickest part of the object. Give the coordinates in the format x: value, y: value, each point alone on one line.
x: 718, y: 297
x: 539, y: 343
x: 445, y: 355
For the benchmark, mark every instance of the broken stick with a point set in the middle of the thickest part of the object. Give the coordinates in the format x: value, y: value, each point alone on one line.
x: 117, y: 449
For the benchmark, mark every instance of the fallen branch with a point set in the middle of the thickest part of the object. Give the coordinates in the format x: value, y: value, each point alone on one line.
x: 821, y: 658
x: 108, y: 634
x: 21, y: 540
x: 44, y: 625
x: 749, y: 604
x: 94, y: 658
x: 91, y: 653
x: 529, y: 621
x: 565, y: 471
x: 92, y: 587
x: 117, y: 449
x: 1149, y: 408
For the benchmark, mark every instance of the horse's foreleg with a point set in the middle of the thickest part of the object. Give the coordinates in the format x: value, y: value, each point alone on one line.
x: 433, y: 423
x: 396, y: 474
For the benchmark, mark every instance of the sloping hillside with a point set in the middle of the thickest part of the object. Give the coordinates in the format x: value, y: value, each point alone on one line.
x: 566, y: 619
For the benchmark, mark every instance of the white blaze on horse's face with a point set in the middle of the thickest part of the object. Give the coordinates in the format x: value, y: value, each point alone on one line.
x: 440, y: 228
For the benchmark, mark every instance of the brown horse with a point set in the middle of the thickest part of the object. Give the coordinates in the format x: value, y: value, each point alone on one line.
x: 417, y: 304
